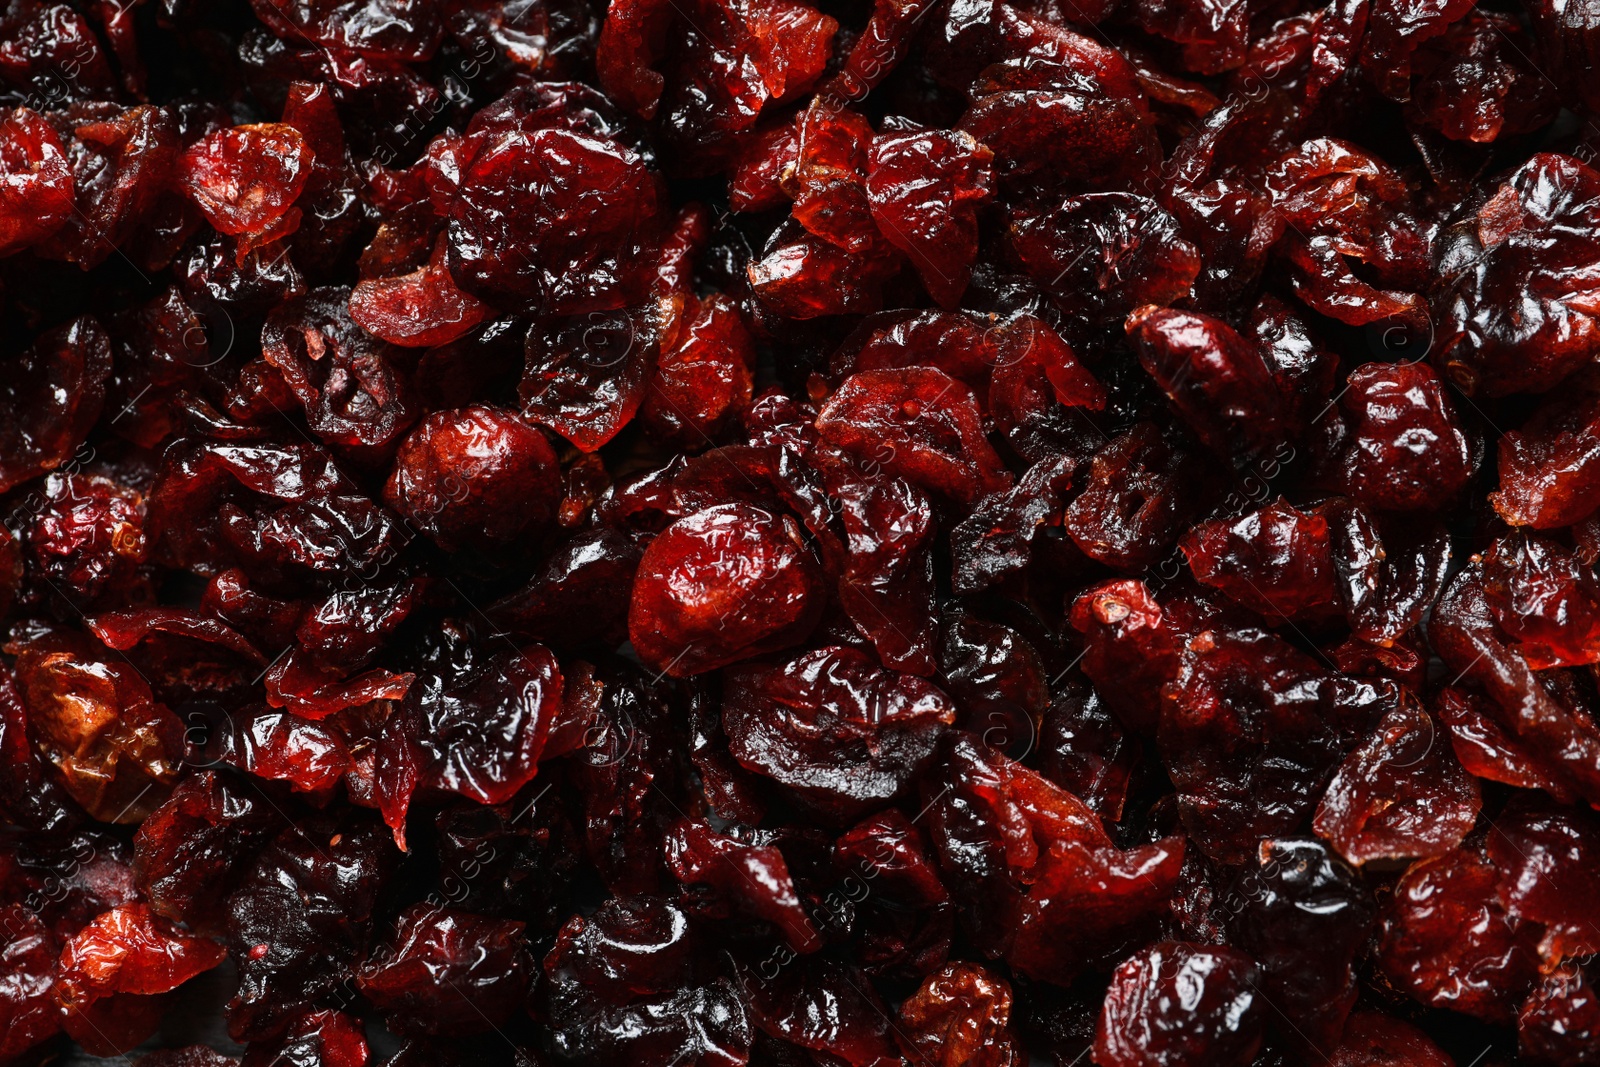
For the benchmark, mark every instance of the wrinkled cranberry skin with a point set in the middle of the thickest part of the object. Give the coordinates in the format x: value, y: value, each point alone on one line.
x: 1246, y: 724
x: 916, y: 422
x: 474, y: 478
x: 635, y: 961
x: 50, y: 396
x: 1305, y: 916
x: 447, y: 972
x: 38, y: 181
x: 721, y: 585
x: 959, y: 1016
x: 1449, y: 942
x: 1406, y: 450
x: 841, y: 732
x: 1488, y: 341
x: 1178, y: 1004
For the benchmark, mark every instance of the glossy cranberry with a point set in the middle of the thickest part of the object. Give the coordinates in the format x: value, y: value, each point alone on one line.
x: 1177, y: 1004
x: 720, y: 585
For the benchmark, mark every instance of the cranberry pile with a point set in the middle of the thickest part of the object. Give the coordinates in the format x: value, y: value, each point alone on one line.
x: 909, y: 533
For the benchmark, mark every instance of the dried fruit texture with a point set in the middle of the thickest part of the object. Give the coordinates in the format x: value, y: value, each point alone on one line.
x: 1058, y: 124
x: 93, y: 717
x: 192, y: 850
x: 1449, y: 942
x: 1541, y: 723
x: 843, y: 734
x: 419, y: 309
x: 1404, y: 448
x: 825, y: 1006
x: 1305, y: 917
x: 588, y: 374
x: 524, y: 223
x: 382, y: 29
x: 627, y: 984
x: 916, y: 422
x: 246, y: 179
x: 300, y: 920
x: 279, y: 512
x: 1519, y: 315
x: 1102, y: 255
x: 1123, y: 626
x: 1181, y: 1004
x: 924, y: 189
x: 37, y: 179
x: 1477, y: 83
x: 1140, y: 494
x: 1251, y: 728
x: 704, y: 373
x: 353, y: 389
x: 475, y: 728
x: 125, y: 953
x: 121, y: 164
x: 1342, y: 204
x: 29, y: 1013
x: 51, y: 396
x: 1547, y: 859
x: 857, y: 534
x: 723, y: 584
x: 1220, y: 384
x: 1401, y: 795
x: 87, y: 541
x: 1546, y: 599
x: 1550, y: 468
x: 477, y: 478
x: 959, y: 1016
x: 1039, y: 879
x: 1560, y: 1020
x: 330, y: 1038
x: 447, y: 972
x: 1277, y: 561
x: 754, y: 877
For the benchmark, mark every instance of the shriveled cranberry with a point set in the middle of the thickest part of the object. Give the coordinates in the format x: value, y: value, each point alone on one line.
x: 1277, y: 561
x: 389, y: 29
x: 29, y: 1013
x: 39, y: 183
x: 94, y: 717
x: 960, y: 1016
x: 479, y: 477
x: 924, y: 189
x: 113, y: 964
x: 447, y: 972
x: 1247, y: 724
x: 1401, y: 795
x: 627, y: 983
x: 720, y: 585
x: 1546, y: 599
x: 1550, y: 468
x: 1406, y: 450
x: 1527, y: 252
x: 756, y: 878
x: 247, y: 178
x: 839, y: 731
x: 1306, y: 917
x: 1179, y: 1004
x: 300, y: 919
x: 1141, y: 491
x: 51, y: 396
x: 1449, y: 942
